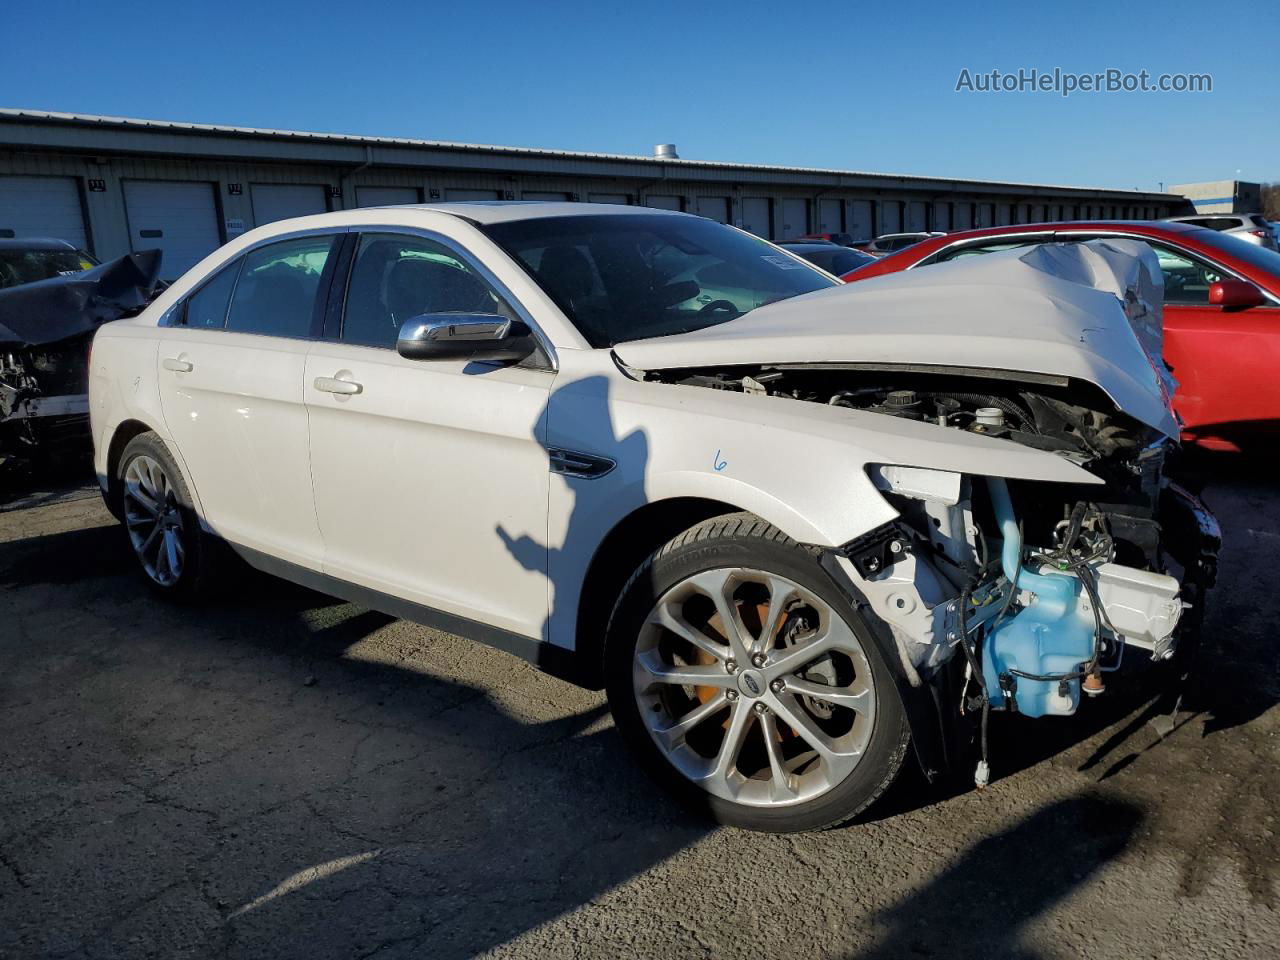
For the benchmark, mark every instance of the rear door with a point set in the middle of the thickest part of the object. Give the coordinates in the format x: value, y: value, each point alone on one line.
x: 231, y: 365
x: 430, y: 477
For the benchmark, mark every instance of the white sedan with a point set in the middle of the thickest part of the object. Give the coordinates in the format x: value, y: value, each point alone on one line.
x: 800, y: 532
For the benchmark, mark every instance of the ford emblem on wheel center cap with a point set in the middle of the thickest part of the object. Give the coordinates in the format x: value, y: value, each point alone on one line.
x: 750, y: 683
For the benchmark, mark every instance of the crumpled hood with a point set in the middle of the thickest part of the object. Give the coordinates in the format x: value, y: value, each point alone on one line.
x: 48, y: 311
x: 1088, y: 311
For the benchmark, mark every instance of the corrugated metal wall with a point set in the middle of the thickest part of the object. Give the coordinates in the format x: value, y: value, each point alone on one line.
x: 862, y: 212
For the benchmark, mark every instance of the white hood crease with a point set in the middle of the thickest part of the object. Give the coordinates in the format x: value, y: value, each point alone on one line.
x: 1087, y: 311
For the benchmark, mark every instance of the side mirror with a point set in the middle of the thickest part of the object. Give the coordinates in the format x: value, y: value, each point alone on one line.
x: 469, y: 336
x: 1235, y: 293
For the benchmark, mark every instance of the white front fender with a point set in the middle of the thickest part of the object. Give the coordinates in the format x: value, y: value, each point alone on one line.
x: 801, y: 466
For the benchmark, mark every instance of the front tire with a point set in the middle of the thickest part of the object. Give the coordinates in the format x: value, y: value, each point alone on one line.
x: 747, y: 683
x: 175, y: 555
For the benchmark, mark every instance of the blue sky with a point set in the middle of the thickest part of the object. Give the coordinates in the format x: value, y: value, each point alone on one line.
x: 865, y: 86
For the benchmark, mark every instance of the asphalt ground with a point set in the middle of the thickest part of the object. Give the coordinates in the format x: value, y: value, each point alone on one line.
x: 285, y: 775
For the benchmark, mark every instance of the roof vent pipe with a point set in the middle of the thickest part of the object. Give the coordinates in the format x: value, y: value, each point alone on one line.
x: 665, y: 151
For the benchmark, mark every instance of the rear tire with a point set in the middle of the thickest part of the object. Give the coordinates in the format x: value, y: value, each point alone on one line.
x: 788, y: 720
x: 175, y: 556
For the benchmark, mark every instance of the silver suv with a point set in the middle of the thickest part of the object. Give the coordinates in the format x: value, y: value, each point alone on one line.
x: 1249, y: 227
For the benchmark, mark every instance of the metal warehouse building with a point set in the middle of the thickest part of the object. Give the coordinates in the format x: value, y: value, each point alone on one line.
x: 113, y: 184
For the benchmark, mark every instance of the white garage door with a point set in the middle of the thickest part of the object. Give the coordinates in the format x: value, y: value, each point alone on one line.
x: 830, y: 216
x: 42, y: 207
x: 387, y: 196
x: 891, y: 216
x: 280, y: 201
x: 962, y: 216
x: 942, y: 216
x: 179, y: 218
x: 609, y: 198
x: 545, y: 195
x: 795, y: 218
x: 861, y: 223
x: 755, y: 215
x: 916, y: 212
x: 663, y: 203
x: 715, y: 208
x: 463, y: 193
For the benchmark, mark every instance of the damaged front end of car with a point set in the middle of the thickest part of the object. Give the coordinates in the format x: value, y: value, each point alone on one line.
x: 997, y: 592
x: 46, y: 333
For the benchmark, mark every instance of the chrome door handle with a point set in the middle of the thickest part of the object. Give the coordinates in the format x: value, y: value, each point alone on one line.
x: 176, y: 365
x: 335, y: 385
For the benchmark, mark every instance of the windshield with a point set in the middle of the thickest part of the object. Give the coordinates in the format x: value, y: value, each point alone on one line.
x: 27, y: 266
x: 628, y: 277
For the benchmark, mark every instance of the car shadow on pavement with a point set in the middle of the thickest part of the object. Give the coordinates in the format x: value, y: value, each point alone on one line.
x: 983, y: 903
x: 283, y: 774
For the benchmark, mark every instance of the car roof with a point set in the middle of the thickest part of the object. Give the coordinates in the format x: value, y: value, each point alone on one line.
x: 505, y: 211
x: 810, y: 245
x: 1133, y: 225
x: 35, y: 243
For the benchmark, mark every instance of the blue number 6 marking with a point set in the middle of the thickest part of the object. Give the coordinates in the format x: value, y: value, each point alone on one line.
x: 718, y: 463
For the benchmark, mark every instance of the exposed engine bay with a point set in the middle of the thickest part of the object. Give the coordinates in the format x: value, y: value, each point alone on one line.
x: 1014, y: 595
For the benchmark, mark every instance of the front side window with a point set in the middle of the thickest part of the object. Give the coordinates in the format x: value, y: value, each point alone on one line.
x: 978, y: 249
x: 207, y: 308
x: 278, y: 292
x: 1186, y: 280
x: 621, y: 278
x: 395, y: 278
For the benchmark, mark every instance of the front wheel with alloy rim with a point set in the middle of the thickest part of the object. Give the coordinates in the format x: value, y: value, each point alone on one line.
x: 174, y: 553
x: 748, y: 684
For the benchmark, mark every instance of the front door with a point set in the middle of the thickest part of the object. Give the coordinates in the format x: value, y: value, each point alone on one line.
x: 430, y: 477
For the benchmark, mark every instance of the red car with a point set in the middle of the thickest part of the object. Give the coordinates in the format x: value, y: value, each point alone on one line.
x: 1221, y: 315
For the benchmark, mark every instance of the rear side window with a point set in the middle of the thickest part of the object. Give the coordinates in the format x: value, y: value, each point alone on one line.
x: 279, y: 288
x: 207, y: 308
x: 396, y: 278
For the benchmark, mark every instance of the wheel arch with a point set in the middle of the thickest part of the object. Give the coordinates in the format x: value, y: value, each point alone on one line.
x: 125, y: 431
x: 633, y: 538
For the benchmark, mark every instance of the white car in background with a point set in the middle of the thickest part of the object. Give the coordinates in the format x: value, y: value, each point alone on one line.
x: 1250, y: 227
x: 777, y: 518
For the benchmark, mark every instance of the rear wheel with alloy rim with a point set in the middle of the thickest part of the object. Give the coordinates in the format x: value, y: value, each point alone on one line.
x: 748, y: 684
x: 164, y: 531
